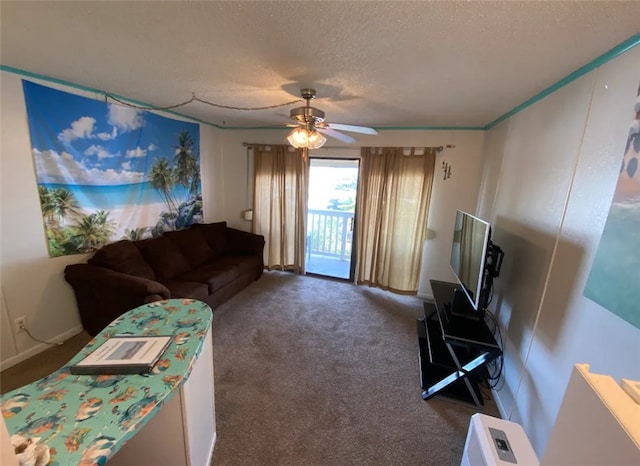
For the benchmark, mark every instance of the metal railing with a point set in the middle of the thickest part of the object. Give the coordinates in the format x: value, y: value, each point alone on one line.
x: 330, y: 233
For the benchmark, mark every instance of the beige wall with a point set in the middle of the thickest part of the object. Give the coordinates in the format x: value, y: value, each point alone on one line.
x: 33, y: 283
x: 545, y: 178
x: 549, y: 177
x: 459, y: 191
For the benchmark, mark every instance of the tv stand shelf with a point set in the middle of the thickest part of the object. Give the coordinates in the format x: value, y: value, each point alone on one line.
x: 453, y: 349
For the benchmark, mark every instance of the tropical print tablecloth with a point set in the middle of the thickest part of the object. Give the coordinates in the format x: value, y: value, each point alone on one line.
x: 86, y: 419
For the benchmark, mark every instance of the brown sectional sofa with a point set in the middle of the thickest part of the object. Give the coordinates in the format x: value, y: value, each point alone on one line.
x: 209, y: 262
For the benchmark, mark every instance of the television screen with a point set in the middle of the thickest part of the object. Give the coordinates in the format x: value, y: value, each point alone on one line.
x: 468, y: 255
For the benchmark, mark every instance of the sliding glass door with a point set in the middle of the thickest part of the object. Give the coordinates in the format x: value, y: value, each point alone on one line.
x: 331, y: 217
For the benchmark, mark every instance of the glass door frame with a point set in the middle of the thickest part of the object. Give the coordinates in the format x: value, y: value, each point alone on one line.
x: 352, y: 256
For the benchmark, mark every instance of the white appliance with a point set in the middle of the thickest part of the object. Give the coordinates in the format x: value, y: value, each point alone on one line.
x: 598, y: 424
x: 495, y: 442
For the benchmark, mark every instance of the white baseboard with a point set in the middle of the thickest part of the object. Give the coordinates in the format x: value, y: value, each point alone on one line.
x: 12, y: 361
x: 499, y: 405
x: 426, y: 297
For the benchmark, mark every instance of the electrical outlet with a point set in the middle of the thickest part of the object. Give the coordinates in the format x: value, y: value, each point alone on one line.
x: 20, y: 323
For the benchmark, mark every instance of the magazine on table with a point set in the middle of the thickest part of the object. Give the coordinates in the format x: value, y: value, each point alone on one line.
x: 124, y: 354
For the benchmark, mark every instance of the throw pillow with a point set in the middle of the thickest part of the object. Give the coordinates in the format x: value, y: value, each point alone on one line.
x: 164, y: 256
x: 215, y: 234
x: 123, y: 256
x: 192, y: 244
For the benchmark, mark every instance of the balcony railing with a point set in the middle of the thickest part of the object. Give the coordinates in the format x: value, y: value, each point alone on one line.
x: 330, y: 233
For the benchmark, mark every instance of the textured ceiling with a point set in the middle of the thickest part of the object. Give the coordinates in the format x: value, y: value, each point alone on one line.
x: 381, y: 64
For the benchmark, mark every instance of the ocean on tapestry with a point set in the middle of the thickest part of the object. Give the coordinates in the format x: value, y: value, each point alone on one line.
x: 614, y: 280
x: 107, y: 172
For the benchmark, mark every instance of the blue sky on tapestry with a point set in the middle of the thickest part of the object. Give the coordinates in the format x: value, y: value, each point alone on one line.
x: 107, y: 172
x: 613, y: 281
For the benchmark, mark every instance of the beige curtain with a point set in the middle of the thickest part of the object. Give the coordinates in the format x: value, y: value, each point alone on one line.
x: 393, y: 198
x: 280, y: 205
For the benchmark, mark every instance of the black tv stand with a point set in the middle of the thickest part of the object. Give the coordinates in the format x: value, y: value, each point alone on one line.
x: 459, y: 306
x: 453, y: 349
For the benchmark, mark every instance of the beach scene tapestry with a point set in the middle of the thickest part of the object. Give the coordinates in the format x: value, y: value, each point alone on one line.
x: 107, y: 172
x: 613, y: 280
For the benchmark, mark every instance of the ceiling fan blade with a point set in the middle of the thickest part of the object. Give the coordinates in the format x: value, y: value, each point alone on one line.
x: 336, y: 135
x: 352, y: 128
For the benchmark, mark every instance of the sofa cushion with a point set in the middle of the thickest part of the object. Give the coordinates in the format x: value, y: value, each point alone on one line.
x: 215, y: 234
x: 123, y: 256
x: 164, y: 256
x: 212, y: 278
x: 241, y: 263
x: 222, y: 271
x: 192, y: 244
x: 184, y: 289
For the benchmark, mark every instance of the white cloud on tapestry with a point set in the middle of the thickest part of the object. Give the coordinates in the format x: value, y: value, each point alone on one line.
x: 108, y: 136
x: 125, y: 118
x: 64, y: 169
x: 100, y: 152
x: 81, y: 128
x: 136, y: 153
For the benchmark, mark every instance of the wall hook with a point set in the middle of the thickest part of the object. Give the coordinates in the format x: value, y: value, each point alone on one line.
x: 446, y: 168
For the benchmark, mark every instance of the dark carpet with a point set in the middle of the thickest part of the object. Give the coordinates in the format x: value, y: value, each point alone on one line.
x: 318, y: 372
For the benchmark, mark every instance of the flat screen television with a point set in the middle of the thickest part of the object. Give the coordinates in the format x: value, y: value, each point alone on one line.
x: 475, y: 261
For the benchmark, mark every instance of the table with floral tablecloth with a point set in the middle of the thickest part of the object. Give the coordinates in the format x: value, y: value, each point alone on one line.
x: 86, y: 419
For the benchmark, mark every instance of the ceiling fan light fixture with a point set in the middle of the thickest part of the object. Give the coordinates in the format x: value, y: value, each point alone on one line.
x: 303, y: 137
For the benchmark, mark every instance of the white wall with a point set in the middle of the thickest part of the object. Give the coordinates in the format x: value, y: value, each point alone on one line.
x: 32, y: 283
x: 547, y: 186
x: 545, y: 179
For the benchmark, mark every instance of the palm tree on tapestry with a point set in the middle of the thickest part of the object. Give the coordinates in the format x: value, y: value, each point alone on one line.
x: 166, y: 222
x: 194, y: 188
x: 134, y: 234
x: 186, y: 171
x: 94, y: 230
x: 161, y: 178
x: 47, y: 205
x: 64, y: 203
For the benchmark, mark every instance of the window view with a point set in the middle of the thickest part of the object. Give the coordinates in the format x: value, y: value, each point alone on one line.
x: 331, y: 211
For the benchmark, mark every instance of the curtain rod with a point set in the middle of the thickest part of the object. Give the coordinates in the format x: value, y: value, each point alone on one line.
x: 440, y: 148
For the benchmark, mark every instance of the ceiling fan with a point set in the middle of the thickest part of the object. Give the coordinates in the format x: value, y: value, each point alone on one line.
x: 310, y: 124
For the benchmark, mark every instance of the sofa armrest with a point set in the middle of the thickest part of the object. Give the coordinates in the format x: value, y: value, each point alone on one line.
x: 244, y: 242
x: 89, y: 275
x: 103, y: 294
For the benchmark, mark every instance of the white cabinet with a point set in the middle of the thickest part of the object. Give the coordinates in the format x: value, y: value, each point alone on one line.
x: 183, y: 432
